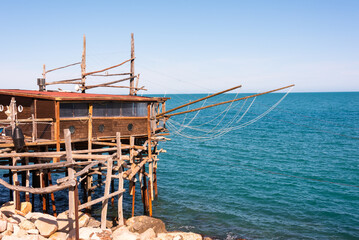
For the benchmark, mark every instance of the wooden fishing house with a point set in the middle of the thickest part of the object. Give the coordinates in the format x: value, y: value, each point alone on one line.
x: 92, y: 139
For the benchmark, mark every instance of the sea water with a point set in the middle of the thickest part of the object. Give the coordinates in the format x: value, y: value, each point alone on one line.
x: 291, y: 174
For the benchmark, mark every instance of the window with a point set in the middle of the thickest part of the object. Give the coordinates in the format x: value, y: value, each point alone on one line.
x: 74, y: 109
x: 118, y: 109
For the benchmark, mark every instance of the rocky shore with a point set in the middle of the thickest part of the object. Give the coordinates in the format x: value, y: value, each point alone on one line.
x: 27, y: 225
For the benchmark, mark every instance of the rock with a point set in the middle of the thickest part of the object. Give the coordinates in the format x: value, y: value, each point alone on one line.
x: 63, y: 221
x: 123, y: 233
x: 16, y: 218
x: 93, y: 223
x: 33, y: 216
x: 33, y: 232
x: 26, y: 207
x: 3, y: 225
x: 179, y: 236
x: 140, y: 224
x: 148, y: 234
x: 10, y: 226
x: 27, y: 225
x: 9, y: 209
x: 3, y: 216
x: 90, y: 233
x: 46, y: 224
x: 6, y: 233
x: 58, y: 236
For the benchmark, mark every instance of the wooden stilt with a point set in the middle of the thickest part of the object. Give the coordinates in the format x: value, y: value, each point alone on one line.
x: 120, y: 179
x: 133, y: 193
x: 52, y: 195
x: 71, y: 173
x: 43, y: 196
x: 76, y: 200
x: 27, y: 181
x: 149, y: 199
x: 155, y: 180
x: 107, y: 192
x: 112, y: 190
x: 144, y: 192
x: 15, y: 181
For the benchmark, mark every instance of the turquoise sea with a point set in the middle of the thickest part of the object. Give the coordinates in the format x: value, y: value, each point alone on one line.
x: 291, y: 174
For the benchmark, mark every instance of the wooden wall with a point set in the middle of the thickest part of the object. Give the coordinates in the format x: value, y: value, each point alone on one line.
x: 26, y: 103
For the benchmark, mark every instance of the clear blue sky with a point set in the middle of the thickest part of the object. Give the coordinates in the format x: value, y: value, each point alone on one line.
x: 187, y: 46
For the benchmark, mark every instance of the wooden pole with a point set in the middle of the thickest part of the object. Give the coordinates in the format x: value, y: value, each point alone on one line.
x: 83, y: 66
x: 107, y: 192
x: 71, y: 173
x: 15, y: 181
x: 198, y: 100
x: 133, y: 193
x: 149, y: 149
x: 120, y: 179
x: 225, y: 102
x: 132, y: 70
x: 57, y: 128
x: 44, y: 71
x: 27, y: 181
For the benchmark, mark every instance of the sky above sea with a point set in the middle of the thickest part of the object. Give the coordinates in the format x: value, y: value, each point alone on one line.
x: 186, y: 46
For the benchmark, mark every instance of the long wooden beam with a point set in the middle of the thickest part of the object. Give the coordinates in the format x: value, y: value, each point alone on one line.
x: 230, y: 101
x: 89, y: 73
x: 198, y: 100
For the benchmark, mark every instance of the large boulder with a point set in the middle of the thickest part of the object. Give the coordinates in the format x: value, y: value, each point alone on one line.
x: 179, y: 236
x: 123, y: 233
x: 46, y: 224
x: 140, y: 224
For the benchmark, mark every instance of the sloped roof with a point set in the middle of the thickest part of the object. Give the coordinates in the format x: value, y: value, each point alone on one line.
x: 74, y: 96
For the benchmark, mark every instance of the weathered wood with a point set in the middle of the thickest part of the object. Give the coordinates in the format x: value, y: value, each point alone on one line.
x: 225, y: 102
x: 66, y: 81
x: 107, y: 192
x: 54, y: 69
x: 109, y: 83
x: 83, y: 66
x: 109, y: 75
x: 52, y: 194
x: 71, y: 173
x: 88, y: 204
x: 57, y: 127
x: 14, y: 180
x: 199, y: 100
x: 78, y: 174
x: 132, y: 68
x: 115, y: 66
x: 120, y: 180
x: 27, y: 180
x: 45, y: 190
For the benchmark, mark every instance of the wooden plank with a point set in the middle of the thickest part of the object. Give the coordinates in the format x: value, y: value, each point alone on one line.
x: 88, y: 204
